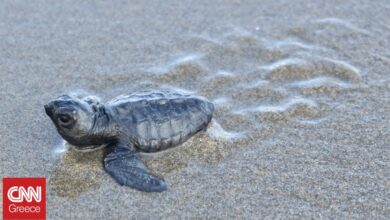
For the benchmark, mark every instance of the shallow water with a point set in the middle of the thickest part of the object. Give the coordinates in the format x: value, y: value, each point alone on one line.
x: 301, y: 89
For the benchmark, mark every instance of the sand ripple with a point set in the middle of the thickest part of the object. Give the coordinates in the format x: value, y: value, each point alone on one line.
x: 254, y: 81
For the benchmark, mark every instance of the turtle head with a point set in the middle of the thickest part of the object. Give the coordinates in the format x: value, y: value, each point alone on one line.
x: 74, y: 119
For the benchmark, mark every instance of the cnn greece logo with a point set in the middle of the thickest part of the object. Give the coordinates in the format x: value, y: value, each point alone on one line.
x: 24, y: 198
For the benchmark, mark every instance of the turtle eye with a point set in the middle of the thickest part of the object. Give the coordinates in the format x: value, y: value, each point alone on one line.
x: 65, y: 120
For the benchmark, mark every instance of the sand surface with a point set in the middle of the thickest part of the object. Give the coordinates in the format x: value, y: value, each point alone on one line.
x: 302, y: 95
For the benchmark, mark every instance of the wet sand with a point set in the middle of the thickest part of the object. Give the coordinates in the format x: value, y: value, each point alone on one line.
x: 302, y: 95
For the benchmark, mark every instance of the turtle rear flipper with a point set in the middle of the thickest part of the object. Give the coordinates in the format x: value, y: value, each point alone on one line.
x: 125, y: 166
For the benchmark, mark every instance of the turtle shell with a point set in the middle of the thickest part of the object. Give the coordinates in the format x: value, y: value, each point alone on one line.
x: 157, y: 120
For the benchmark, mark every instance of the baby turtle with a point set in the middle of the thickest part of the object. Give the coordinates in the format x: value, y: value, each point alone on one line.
x: 148, y: 121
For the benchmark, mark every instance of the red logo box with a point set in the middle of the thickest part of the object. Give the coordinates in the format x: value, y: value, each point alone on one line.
x: 24, y: 198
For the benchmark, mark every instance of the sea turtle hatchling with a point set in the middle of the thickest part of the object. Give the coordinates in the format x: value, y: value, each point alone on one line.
x: 148, y: 121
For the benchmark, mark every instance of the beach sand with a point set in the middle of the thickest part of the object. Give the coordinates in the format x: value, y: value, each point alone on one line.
x: 302, y: 95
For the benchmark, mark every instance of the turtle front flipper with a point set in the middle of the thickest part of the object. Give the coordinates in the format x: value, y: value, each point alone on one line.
x: 125, y: 166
